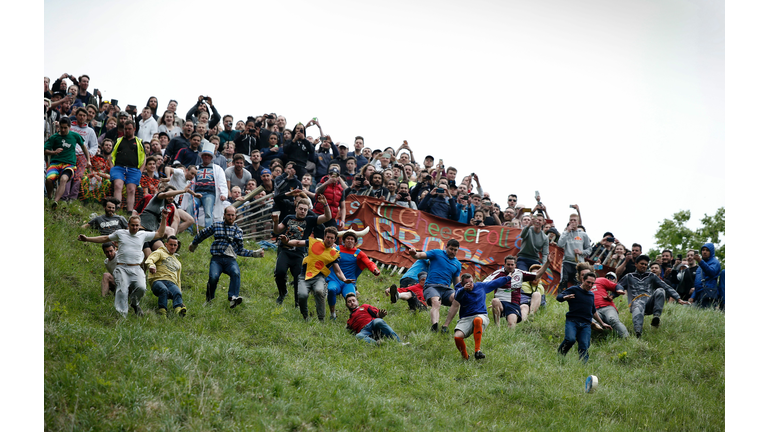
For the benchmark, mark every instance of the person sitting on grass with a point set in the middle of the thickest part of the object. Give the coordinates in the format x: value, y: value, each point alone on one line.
x: 578, y: 319
x: 506, y: 301
x: 321, y: 255
x: 414, y: 294
x: 646, y: 294
x: 107, y: 279
x: 367, y: 322
x: 108, y: 222
x: 130, y: 280
x: 469, y: 301
x: 533, y: 295
x: 352, y: 262
x: 165, y: 276
x: 604, y: 302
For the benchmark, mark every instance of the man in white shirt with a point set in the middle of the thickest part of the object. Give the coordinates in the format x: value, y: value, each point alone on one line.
x: 129, y: 277
x: 147, y: 125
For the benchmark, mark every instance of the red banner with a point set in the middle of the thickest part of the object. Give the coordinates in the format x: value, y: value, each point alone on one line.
x: 394, y: 228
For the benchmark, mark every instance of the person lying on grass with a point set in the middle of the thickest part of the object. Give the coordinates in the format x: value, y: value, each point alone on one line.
x: 367, y: 322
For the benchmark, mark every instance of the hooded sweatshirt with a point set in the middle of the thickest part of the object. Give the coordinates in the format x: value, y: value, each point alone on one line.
x: 706, y: 276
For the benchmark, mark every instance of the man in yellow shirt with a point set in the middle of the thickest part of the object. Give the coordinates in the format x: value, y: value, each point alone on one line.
x: 165, y: 276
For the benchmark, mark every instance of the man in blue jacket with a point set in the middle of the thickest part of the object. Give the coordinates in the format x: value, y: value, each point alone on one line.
x: 706, y: 292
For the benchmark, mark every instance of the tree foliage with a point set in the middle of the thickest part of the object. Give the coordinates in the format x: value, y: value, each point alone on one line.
x: 673, y: 234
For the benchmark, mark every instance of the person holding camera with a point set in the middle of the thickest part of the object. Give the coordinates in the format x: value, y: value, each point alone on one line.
x: 439, y: 202
x: 403, y: 197
x: 377, y: 189
x: 299, y: 150
x: 535, y: 243
x: 195, y: 112
x: 323, y: 157
x: 248, y: 141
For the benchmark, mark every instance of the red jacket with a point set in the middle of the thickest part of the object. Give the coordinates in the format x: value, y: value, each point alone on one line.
x: 334, y: 193
x: 361, y: 316
x: 600, y: 289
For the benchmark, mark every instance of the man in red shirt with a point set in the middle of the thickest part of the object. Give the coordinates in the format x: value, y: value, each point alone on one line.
x: 604, y: 302
x: 414, y: 294
x: 366, y: 321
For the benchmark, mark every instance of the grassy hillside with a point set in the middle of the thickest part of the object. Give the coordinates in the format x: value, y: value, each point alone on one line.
x: 260, y: 367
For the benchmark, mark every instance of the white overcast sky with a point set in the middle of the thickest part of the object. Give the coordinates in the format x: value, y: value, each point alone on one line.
x: 608, y: 104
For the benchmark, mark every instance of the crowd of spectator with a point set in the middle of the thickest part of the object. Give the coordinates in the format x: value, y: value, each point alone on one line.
x: 131, y: 154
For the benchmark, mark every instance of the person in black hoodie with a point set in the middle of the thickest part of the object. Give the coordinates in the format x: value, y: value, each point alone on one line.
x: 299, y: 150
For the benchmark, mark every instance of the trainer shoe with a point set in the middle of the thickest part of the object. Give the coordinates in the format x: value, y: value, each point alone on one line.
x: 393, y: 294
x: 137, y: 309
x: 444, y: 330
x: 434, y: 327
x: 54, y: 205
x: 596, y: 326
x: 234, y: 301
x: 638, y: 334
x: 333, y: 316
x: 163, y: 312
x: 280, y: 299
x: 479, y: 355
x: 180, y: 310
x: 655, y: 321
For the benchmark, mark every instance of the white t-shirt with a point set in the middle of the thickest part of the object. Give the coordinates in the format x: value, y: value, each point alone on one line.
x: 130, y: 250
x: 179, y: 182
x: 110, y: 265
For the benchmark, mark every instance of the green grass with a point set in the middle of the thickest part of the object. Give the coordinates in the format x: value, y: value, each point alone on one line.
x: 260, y: 367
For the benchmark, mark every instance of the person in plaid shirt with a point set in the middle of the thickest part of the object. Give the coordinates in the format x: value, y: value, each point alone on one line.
x: 227, y: 244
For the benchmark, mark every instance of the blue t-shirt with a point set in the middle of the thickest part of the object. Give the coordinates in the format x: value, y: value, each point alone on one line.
x: 473, y: 302
x: 442, y: 270
x: 419, y: 266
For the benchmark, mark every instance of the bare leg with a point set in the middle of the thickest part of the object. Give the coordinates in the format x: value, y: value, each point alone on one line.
x: 118, y: 185
x: 535, y: 302
x: 131, y: 196
x: 524, y: 312
x: 106, y: 281
x: 434, y: 313
x: 511, y: 321
x: 62, y: 185
x: 496, y: 307
x: 186, y: 220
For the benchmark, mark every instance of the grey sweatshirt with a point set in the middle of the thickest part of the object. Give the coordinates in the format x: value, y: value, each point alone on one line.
x: 571, y: 240
x: 534, y: 243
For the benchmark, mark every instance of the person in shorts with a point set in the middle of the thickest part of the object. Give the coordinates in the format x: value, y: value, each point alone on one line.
x: 61, y: 148
x: 469, y: 301
x: 506, y: 301
x: 444, y: 270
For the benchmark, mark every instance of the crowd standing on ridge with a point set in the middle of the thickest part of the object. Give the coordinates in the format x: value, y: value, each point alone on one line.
x: 169, y: 173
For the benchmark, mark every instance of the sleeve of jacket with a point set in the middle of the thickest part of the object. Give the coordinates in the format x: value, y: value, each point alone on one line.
x: 710, y: 269
x: 192, y: 111
x: 453, y: 213
x: 214, y: 120
x: 221, y: 181
x: 364, y: 262
x: 424, y: 204
x: 661, y: 284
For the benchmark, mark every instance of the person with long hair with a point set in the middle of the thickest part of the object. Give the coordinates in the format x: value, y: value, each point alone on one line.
x: 168, y: 125
x: 152, y: 104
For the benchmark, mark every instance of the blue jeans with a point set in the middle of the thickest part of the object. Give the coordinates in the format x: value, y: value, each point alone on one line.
x: 376, y: 329
x: 576, y: 331
x: 336, y: 287
x: 227, y: 265
x: 164, y: 289
x: 525, y: 263
x: 208, y: 200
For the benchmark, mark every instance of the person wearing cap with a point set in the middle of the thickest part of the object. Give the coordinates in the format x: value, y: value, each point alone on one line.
x: 604, y: 302
x: 211, y: 183
x: 341, y: 159
x: 352, y: 262
x: 227, y: 245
